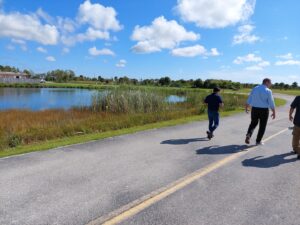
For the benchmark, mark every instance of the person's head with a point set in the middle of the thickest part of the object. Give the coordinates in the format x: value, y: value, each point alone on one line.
x: 267, y: 82
x: 216, y: 90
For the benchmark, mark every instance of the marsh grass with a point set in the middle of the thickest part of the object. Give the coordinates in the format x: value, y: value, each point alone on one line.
x: 114, y: 110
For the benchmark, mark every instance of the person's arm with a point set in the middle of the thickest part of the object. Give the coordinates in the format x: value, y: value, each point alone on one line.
x: 272, y: 105
x: 292, y: 109
x: 291, y: 117
x: 206, y: 101
x: 221, y: 103
x: 249, y: 102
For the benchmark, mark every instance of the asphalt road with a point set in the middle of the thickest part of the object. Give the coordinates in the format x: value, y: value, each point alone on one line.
x: 83, y: 184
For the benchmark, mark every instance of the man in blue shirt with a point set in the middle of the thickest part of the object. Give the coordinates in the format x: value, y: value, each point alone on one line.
x: 213, y: 102
x: 261, y: 100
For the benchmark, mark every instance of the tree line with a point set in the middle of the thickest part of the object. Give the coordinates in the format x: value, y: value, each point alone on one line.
x: 62, y: 76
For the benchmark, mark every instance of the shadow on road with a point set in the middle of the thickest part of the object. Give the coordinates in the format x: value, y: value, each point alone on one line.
x: 269, y: 162
x: 221, y: 150
x: 182, y: 141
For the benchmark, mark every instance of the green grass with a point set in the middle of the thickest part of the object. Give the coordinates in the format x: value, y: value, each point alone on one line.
x: 233, y: 105
x: 98, y: 136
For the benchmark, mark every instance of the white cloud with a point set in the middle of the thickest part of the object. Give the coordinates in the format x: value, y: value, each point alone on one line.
x: 40, y: 27
x: 215, y: 13
x: 50, y: 59
x: 191, y: 51
x: 21, y: 43
x: 290, y: 62
x: 65, y: 50
x: 287, y: 60
x: 98, y: 16
x: 121, y: 64
x: 245, y: 35
x: 287, y: 56
x: 161, y: 34
x: 27, y: 27
x: 95, y: 52
x: 252, y: 58
x: 214, y: 52
x: 259, y: 66
x: 247, y: 58
x: 41, y: 49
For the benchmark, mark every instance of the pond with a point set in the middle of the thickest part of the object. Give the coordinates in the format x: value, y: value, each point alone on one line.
x: 38, y: 99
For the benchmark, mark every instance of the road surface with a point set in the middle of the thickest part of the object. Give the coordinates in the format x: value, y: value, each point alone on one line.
x: 166, y: 176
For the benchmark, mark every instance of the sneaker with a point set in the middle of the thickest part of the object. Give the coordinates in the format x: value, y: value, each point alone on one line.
x: 293, y: 152
x: 298, y: 157
x: 260, y: 143
x: 209, y: 135
x: 247, y: 141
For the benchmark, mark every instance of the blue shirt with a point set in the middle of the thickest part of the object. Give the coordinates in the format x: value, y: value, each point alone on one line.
x: 214, y: 100
x: 261, y: 97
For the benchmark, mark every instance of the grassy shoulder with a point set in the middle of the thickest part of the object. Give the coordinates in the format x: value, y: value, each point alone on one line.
x: 98, y: 136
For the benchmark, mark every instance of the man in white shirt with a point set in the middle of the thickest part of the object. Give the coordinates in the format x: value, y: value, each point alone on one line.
x: 261, y: 100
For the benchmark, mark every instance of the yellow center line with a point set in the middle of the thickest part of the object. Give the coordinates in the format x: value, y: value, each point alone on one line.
x: 145, y: 202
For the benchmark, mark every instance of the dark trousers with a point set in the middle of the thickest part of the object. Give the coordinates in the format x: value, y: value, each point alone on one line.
x: 214, y: 119
x: 261, y: 116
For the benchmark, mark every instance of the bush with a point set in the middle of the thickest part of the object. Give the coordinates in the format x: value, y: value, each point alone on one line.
x: 14, y: 140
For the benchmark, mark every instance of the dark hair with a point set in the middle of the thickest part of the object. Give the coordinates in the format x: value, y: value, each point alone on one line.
x: 267, y: 80
x: 216, y: 90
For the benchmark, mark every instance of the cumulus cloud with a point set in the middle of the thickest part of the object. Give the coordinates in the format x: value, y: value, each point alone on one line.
x: 260, y: 64
x: 215, y: 13
x: 161, y: 34
x: 41, y: 49
x: 98, y: 16
x: 214, y: 52
x: 27, y: 27
x: 247, y: 58
x: 121, y: 64
x: 39, y: 26
x: 100, y: 20
x: 105, y: 51
x: 193, y: 51
x: 245, y: 35
x: 50, y: 59
x: 287, y: 60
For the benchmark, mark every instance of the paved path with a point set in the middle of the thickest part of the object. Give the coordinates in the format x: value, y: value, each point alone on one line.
x: 84, y: 183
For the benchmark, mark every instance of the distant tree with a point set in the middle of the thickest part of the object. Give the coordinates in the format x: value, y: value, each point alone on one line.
x: 165, y: 81
x: 295, y: 85
x: 198, y: 83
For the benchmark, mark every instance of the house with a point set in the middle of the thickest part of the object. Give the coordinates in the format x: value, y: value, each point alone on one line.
x: 12, y: 75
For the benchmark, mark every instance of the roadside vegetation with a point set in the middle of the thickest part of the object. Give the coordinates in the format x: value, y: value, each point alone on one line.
x: 114, y: 110
x: 122, y: 106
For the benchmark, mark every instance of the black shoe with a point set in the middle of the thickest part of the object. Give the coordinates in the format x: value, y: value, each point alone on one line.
x: 247, y: 141
x: 209, y: 135
x: 298, y: 157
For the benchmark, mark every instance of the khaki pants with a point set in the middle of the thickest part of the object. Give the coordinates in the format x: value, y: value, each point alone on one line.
x: 296, y: 140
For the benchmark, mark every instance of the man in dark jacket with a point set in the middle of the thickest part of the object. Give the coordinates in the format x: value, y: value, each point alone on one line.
x: 213, y: 102
x: 296, y: 121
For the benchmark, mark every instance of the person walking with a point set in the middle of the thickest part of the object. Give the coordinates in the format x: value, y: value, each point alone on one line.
x: 261, y: 100
x: 213, y: 102
x: 296, y: 121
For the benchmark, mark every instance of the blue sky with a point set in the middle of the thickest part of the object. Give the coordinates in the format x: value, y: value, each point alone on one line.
x: 241, y: 40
